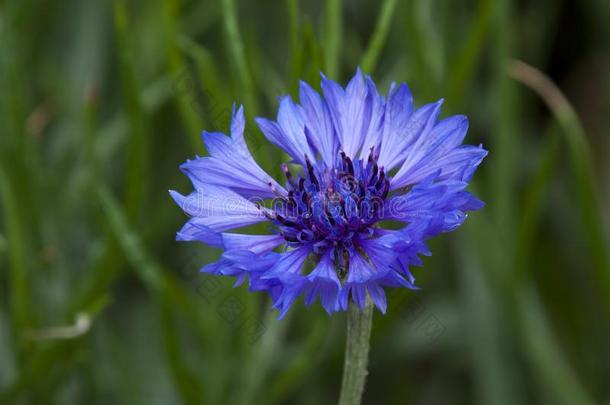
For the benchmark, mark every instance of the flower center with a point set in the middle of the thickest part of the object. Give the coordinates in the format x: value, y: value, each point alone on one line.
x: 331, y: 206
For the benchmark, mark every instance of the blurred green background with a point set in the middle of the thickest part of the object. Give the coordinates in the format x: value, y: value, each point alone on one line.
x: 100, y: 101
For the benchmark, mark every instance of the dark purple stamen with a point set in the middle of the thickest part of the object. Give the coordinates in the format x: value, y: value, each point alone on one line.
x: 330, y: 207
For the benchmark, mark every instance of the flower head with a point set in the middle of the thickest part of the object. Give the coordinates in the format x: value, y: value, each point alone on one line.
x: 359, y: 160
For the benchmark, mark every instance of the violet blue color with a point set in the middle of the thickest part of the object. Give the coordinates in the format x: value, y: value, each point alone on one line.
x: 358, y: 158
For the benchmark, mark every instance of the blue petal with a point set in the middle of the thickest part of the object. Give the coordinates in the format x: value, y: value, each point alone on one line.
x: 231, y: 165
x: 459, y: 164
x: 191, y: 231
x: 318, y: 124
x: 219, y: 209
x: 290, y: 292
x: 289, y: 131
x: 250, y: 261
x: 423, y: 156
x: 220, y: 172
x: 398, y: 111
x: 400, y: 133
x: 238, y: 123
x: 359, y: 274
x: 350, y: 111
x: 254, y: 243
x: 372, y: 137
x: 241, y: 264
x: 323, y: 281
x: 378, y: 297
x: 289, y: 264
x: 383, y: 254
x: 442, y: 203
x: 380, y: 253
x: 287, y: 273
x: 359, y: 294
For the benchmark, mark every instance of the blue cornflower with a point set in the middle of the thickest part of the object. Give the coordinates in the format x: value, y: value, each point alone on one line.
x: 359, y: 161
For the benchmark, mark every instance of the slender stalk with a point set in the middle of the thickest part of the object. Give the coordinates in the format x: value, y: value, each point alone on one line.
x: 359, y: 323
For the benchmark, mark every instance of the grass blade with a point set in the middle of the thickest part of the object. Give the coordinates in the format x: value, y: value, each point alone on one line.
x: 466, y: 60
x: 236, y: 50
x: 333, y: 31
x: 580, y: 159
x: 384, y: 22
x: 138, y: 149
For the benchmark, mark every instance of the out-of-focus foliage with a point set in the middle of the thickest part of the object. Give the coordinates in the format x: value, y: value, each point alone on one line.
x: 100, y: 101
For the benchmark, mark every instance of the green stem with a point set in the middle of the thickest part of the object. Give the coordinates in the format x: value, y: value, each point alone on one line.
x: 359, y: 323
